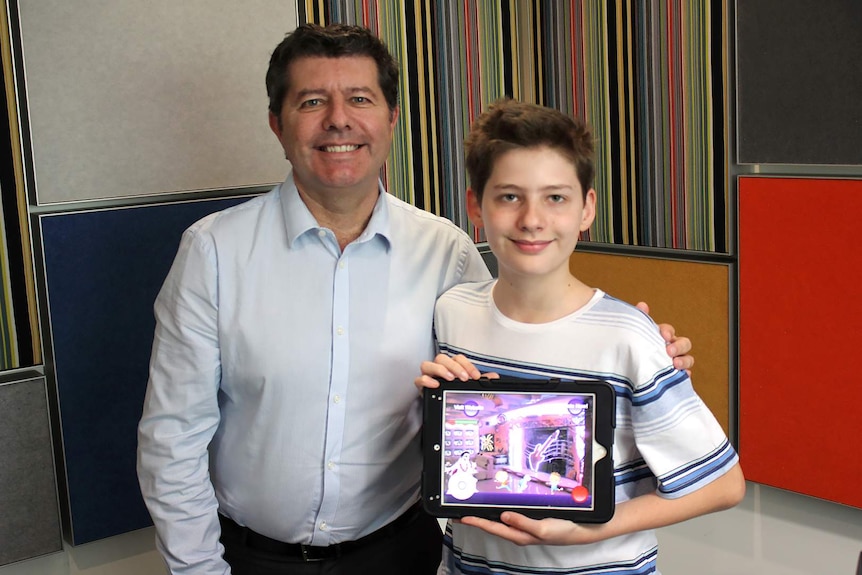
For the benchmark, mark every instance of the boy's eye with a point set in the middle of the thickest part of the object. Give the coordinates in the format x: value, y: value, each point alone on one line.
x: 509, y: 198
x: 557, y: 198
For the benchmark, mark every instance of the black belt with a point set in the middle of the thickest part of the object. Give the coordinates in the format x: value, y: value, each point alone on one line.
x: 260, y: 542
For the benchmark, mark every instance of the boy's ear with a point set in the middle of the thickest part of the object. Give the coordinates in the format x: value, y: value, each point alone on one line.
x: 589, y: 213
x: 474, y: 208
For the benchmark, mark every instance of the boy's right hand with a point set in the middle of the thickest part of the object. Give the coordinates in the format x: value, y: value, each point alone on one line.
x: 448, y: 368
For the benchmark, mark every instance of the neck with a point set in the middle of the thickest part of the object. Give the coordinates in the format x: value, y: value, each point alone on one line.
x: 345, y: 213
x: 540, y: 300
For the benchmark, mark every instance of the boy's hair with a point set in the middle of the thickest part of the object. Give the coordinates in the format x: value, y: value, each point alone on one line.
x: 509, y: 124
x: 333, y: 41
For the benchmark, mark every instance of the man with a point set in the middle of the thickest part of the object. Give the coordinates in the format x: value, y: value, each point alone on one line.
x: 280, y: 427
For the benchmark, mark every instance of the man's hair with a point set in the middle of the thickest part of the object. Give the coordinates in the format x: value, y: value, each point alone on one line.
x: 333, y: 41
x: 509, y: 124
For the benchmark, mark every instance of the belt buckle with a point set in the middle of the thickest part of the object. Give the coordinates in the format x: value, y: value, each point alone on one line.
x: 308, y: 554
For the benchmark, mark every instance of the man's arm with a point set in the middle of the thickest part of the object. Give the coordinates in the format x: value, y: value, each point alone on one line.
x: 181, y: 415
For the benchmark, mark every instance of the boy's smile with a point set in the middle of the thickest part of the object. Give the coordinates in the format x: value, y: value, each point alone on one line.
x: 533, y: 210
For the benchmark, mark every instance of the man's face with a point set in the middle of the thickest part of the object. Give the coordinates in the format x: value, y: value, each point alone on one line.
x: 335, y: 126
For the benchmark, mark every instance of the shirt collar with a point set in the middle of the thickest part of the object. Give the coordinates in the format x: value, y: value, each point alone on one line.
x: 299, y: 221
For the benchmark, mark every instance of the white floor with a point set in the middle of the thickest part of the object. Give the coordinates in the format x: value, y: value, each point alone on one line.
x: 771, y: 532
x: 128, y: 554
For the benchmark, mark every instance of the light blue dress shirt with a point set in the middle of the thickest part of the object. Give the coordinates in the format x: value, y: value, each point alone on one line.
x: 281, y: 381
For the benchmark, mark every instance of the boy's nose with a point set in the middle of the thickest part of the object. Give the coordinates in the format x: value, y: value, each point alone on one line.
x: 531, y: 216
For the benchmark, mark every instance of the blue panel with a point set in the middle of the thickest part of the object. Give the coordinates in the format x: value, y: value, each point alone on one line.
x: 104, y: 270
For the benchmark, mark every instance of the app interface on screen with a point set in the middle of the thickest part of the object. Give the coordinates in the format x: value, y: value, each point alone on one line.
x: 518, y: 449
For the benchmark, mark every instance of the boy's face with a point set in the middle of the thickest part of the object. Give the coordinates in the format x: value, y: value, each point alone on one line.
x: 533, y: 211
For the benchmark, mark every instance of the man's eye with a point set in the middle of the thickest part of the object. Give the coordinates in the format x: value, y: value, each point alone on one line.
x: 361, y: 99
x: 311, y: 103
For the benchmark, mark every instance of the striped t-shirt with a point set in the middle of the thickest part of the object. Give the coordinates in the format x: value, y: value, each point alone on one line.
x: 666, y: 439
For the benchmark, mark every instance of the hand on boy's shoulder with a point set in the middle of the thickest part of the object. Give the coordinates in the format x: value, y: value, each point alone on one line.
x: 678, y: 347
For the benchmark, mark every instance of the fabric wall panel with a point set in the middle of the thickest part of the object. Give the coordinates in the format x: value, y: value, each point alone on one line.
x: 693, y: 296
x: 800, y: 268
x: 29, y: 511
x: 103, y: 270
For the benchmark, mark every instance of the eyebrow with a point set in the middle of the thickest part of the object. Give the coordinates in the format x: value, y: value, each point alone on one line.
x: 321, y: 91
x: 552, y: 187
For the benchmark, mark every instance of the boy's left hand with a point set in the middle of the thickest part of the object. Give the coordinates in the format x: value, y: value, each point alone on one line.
x: 522, y: 530
x: 448, y: 368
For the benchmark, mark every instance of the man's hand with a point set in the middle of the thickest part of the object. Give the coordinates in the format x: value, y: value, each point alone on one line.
x: 678, y: 347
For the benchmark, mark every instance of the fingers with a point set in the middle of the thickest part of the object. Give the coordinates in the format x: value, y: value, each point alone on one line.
x: 680, y: 345
x: 506, y: 531
x: 678, y: 348
x: 642, y: 305
x: 668, y: 332
x: 684, y: 363
x: 424, y: 381
x: 452, y: 367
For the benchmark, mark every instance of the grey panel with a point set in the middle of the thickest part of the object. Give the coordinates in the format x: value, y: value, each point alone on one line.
x: 29, y: 512
x: 799, y: 76
x: 132, y: 98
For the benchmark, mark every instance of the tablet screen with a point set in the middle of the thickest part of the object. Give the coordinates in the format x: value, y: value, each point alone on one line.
x: 516, y: 450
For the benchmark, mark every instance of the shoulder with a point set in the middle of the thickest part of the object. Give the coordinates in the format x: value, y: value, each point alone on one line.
x: 435, y: 243
x: 410, y: 218
x: 463, y: 304
x: 237, y: 217
x: 624, y: 318
x: 469, y: 293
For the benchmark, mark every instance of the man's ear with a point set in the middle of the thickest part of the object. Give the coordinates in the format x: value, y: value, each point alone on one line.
x: 474, y: 208
x: 275, y: 125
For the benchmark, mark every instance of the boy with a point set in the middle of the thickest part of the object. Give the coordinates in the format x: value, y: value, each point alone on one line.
x: 531, y: 175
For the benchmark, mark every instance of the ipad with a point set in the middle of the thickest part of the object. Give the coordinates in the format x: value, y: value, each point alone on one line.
x: 543, y: 448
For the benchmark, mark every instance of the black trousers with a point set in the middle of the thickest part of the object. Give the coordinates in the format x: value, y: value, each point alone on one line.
x: 412, y: 549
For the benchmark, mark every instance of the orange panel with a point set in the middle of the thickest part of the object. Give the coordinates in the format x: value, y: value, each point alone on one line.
x: 693, y: 297
x: 800, y: 268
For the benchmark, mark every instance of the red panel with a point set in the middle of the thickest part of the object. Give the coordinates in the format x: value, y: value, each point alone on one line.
x: 800, y: 268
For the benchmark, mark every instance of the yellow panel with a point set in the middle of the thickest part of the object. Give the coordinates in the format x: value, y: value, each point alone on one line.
x: 691, y: 296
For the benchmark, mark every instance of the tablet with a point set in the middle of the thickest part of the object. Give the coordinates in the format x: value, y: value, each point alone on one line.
x: 543, y: 448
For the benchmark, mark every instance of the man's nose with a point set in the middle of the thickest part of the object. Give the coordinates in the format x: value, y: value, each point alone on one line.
x: 337, y: 116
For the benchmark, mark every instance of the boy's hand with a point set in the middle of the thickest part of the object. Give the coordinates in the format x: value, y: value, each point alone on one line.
x: 677, y: 346
x: 522, y: 530
x: 448, y: 368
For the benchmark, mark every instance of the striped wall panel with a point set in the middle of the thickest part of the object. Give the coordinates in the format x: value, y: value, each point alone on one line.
x: 649, y: 76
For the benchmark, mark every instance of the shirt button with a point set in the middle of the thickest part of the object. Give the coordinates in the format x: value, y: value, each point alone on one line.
x: 336, y: 399
x: 323, y: 526
x: 340, y: 330
x: 321, y: 233
x: 341, y: 264
x: 330, y: 465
